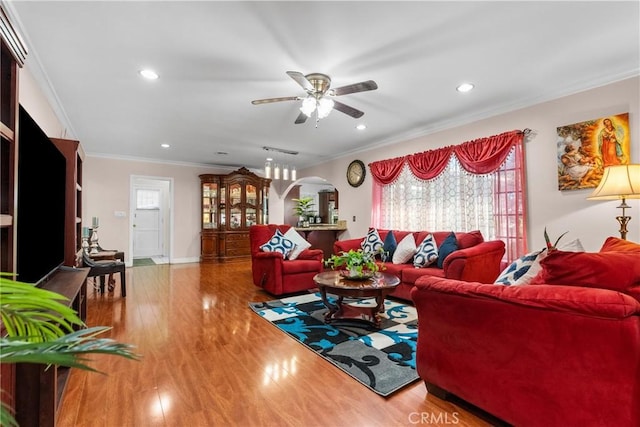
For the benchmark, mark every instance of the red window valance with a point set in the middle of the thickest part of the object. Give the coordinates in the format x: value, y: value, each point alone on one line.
x: 386, y: 171
x: 480, y: 156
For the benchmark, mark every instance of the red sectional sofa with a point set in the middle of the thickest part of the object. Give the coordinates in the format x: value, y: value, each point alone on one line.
x: 475, y: 259
x: 565, y: 352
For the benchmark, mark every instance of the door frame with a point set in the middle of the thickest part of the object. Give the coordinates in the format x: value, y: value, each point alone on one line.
x: 137, y: 181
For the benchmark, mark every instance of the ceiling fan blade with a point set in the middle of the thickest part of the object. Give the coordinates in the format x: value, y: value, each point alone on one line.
x: 349, y: 111
x: 268, y: 100
x: 301, y: 80
x: 356, y: 87
x: 302, y: 117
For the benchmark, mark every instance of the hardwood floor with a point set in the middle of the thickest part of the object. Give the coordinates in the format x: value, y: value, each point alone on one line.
x: 209, y: 360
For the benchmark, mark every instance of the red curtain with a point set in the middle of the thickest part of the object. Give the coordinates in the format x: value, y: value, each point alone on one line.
x: 386, y: 171
x: 480, y: 156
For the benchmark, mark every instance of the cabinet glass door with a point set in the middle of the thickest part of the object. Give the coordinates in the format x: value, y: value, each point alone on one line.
x: 265, y: 205
x: 252, y: 197
x: 223, y: 205
x: 235, y: 194
x: 209, y: 205
x: 251, y: 217
x: 235, y: 218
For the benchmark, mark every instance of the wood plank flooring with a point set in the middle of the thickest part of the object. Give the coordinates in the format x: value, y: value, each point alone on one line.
x: 208, y: 360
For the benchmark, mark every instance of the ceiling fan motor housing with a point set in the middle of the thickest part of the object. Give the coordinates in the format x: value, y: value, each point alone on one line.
x: 320, y: 82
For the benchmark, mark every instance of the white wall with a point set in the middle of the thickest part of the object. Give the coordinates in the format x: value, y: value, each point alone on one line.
x: 105, y: 190
x: 590, y: 221
x: 36, y: 104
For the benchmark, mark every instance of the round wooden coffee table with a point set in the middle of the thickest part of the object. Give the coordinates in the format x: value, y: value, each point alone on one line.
x: 378, y: 287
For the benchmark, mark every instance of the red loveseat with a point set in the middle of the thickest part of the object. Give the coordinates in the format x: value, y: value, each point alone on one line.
x: 275, y: 274
x: 475, y: 259
x: 559, y: 353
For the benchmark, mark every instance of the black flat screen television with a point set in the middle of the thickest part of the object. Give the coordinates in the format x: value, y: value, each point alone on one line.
x: 41, y: 203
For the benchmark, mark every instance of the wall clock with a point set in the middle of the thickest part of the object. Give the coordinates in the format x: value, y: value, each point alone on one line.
x: 356, y: 173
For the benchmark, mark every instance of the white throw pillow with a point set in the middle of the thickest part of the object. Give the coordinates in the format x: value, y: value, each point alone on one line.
x: 406, y: 250
x: 300, y: 243
x: 427, y: 252
x: 572, y: 246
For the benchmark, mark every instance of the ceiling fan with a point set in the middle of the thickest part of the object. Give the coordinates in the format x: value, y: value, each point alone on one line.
x: 319, y: 96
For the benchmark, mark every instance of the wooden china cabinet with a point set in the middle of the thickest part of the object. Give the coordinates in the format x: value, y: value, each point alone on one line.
x: 230, y: 204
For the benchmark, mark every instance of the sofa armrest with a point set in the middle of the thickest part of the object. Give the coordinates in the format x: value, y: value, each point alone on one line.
x: 346, y: 245
x: 479, y: 263
x: 268, y: 256
x: 312, y: 254
x: 592, y: 302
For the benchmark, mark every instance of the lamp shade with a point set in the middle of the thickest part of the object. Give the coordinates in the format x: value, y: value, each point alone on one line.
x: 620, y: 181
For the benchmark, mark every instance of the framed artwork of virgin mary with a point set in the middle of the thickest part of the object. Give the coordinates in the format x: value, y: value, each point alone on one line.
x: 585, y: 148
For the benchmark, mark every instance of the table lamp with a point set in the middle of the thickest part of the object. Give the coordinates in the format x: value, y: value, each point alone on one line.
x: 619, y: 182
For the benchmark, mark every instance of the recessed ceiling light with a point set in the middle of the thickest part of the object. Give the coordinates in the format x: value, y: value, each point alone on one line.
x: 269, y: 159
x: 149, y: 74
x: 465, y: 87
x: 361, y: 126
x: 165, y: 145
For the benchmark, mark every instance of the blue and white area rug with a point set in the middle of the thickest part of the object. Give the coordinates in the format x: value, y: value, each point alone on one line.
x: 382, y: 359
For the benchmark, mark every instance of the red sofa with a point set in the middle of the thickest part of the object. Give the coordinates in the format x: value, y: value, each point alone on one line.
x: 475, y: 260
x: 559, y: 353
x: 275, y: 274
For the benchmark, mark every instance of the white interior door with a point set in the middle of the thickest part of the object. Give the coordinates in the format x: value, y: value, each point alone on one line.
x: 147, y: 223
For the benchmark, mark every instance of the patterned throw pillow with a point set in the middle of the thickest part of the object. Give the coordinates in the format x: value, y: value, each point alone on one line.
x: 449, y: 245
x: 389, y: 246
x: 405, y: 251
x: 300, y: 243
x: 516, y: 273
x: 372, y: 242
x: 427, y: 252
x: 278, y: 243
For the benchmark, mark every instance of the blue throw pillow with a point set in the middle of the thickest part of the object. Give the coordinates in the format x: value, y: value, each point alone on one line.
x: 389, y: 246
x: 278, y: 243
x: 449, y: 245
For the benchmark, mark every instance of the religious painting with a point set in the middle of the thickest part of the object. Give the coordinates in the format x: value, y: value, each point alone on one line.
x: 585, y: 148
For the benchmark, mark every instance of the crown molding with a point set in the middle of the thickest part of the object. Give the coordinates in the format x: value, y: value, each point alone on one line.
x: 11, y: 36
x: 34, y: 65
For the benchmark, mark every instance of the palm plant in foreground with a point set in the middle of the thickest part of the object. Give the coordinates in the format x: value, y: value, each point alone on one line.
x: 40, y: 329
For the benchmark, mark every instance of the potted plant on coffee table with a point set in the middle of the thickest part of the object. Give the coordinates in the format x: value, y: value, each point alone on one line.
x: 355, y: 264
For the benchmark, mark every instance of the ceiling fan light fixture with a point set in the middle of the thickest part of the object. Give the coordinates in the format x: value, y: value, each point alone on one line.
x: 325, y: 106
x: 308, y: 106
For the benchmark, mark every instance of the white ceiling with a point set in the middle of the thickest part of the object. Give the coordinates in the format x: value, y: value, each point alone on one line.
x: 215, y: 57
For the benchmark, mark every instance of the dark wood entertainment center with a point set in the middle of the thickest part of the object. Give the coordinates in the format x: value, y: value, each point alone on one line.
x: 38, y: 390
x: 32, y: 390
